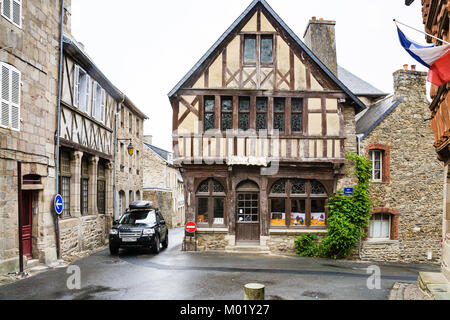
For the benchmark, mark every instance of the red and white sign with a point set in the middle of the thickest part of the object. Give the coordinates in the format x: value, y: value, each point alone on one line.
x: 191, y: 227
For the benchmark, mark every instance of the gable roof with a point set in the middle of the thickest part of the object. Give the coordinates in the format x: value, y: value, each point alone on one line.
x: 357, y: 85
x: 368, y: 120
x: 360, y: 105
x: 160, y: 152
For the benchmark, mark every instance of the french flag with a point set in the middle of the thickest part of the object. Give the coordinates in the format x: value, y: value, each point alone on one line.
x: 437, y: 59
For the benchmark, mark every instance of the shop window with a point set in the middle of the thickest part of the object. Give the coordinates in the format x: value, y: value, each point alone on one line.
x: 298, y: 203
x: 210, y: 203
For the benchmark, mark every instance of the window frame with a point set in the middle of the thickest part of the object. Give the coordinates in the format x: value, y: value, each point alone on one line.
x: 258, y: 112
x: 258, y: 49
x: 283, y: 113
x: 371, y: 157
x: 211, y: 196
x: 77, y: 92
x: 14, y: 108
x: 101, y: 178
x: 11, y: 17
x: 84, y: 187
x: 289, y: 196
x: 98, y: 108
x: 382, y: 214
x: 65, y: 179
x: 245, y: 112
x: 297, y: 113
x: 205, y: 112
x: 227, y: 112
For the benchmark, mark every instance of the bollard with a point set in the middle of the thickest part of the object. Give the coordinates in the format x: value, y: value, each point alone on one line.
x: 254, y: 291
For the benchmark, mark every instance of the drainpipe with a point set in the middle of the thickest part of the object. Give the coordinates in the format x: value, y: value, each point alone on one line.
x: 358, y: 139
x: 119, y: 107
x: 58, y: 124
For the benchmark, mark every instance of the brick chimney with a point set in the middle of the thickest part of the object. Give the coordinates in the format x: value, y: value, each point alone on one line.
x: 408, y: 82
x: 148, y: 139
x: 320, y: 37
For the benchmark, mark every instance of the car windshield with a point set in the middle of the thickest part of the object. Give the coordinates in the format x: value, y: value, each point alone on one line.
x: 139, y: 217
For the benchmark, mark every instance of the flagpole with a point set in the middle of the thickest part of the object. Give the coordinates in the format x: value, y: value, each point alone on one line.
x: 422, y: 32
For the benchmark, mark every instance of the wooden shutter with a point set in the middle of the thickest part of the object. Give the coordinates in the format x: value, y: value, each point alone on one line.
x: 15, y: 99
x: 16, y: 16
x: 103, y: 105
x: 6, y: 8
x: 76, y: 86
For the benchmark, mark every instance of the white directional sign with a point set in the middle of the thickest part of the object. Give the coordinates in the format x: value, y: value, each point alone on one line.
x: 59, y: 204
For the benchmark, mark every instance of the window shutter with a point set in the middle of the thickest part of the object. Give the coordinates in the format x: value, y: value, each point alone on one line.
x: 88, y: 92
x: 17, y: 12
x: 15, y: 99
x: 76, y: 85
x: 103, y: 105
x: 5, y: 94
x: 94, y: 101
x: 6, y: 8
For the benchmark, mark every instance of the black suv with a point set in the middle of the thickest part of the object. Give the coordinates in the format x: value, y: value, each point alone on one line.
x: 140, y: 226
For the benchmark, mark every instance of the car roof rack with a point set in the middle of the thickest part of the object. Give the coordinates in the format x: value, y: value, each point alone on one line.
x: 141, y: 205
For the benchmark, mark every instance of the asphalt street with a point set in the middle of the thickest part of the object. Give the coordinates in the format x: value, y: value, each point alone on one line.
x: 177, y: 275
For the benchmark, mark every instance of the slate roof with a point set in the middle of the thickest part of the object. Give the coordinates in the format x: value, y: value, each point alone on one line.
x: 161, y: 152
x: 357, y: 85
x: 361, y: 106
x: 370, y: 118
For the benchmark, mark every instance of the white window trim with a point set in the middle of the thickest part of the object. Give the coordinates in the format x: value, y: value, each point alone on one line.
x: 372, y: 239
x: 11, y: 17
x: 76, y: 90
x: 10, y: 102
x: 372, y: 159
x: 98, y: 111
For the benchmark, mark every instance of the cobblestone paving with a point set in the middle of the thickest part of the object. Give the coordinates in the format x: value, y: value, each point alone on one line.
x: 407, y: 291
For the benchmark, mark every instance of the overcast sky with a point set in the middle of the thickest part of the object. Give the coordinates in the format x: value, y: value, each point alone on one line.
x: 146, y: 47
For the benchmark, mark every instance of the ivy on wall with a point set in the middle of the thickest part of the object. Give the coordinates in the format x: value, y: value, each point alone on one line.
x: 348, y: 216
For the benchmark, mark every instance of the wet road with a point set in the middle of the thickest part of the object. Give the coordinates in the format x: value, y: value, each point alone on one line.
x: 176, y: 275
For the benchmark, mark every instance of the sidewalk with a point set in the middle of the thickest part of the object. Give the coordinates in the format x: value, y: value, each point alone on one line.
x: 408, y: 291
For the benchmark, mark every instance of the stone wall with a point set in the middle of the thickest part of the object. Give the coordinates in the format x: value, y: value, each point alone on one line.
x: 163, y: 200
x: 284, y: 243
x: 416, y: 176
x: 212, y: 241
x: 33, y: 49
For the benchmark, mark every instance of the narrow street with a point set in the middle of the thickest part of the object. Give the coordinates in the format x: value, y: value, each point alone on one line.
x: 176, y: 275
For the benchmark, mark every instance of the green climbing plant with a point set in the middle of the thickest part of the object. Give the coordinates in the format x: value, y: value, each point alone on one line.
x: 348, y: 216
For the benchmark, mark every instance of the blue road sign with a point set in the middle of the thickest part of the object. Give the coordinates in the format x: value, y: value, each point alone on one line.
x: 59, y: 204
x: 349, y: 191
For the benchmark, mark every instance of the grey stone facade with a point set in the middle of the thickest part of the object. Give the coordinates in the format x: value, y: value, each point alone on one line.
x: 414, y: 190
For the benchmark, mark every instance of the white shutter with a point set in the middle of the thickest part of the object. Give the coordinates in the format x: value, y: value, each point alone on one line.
x: 88, y: 93
x: 6, y: 8
x: 5, y: 95
x: 76, y: 86
x: 17, y: 12
x: 103, y: 106
x: 94, y: 101
x: 15, y: 99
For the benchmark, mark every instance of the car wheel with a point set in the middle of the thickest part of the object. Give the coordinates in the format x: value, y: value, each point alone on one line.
x: 113, y: 250
x: 165, y: 243
x: 156, y: 245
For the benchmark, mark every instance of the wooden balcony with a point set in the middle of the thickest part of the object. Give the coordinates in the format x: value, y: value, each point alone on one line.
x: 257, y: 150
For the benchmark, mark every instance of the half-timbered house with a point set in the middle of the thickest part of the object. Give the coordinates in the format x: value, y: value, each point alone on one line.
x: 261, y: 127
x: 89, y: 129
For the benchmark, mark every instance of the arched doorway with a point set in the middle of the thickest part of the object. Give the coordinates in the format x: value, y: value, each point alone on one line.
x: 247, y: 212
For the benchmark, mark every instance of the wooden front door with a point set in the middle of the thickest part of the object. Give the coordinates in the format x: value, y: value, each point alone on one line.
x: 247, y: 217
x: 26, y: 220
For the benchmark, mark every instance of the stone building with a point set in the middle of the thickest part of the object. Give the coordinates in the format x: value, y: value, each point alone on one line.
x: 129, y: 173
x: 436, y: 16
x: 29, y: 51
x: 406, y: 178
x: 163, y: 183
x: 261, y: 127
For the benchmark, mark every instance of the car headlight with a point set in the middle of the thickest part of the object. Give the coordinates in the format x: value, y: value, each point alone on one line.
x: 113, y: 231
x: 148, y: 231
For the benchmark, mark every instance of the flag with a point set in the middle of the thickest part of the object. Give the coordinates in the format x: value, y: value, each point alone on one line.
x: 437, y: 59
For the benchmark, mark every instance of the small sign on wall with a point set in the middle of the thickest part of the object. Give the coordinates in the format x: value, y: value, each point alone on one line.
x: 349, y: 191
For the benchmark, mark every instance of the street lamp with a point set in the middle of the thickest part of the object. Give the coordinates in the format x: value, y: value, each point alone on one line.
x: 130, y: 147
